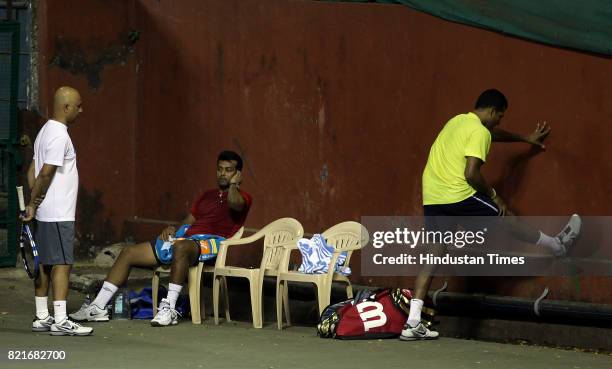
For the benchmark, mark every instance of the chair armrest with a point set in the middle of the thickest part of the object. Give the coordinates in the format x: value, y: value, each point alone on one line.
x: 224, y: 247
x: 246, y: 240
x: 287, y: 247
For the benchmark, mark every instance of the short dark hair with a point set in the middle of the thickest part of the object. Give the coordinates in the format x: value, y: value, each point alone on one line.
x: 230, y: 155
x: 492, y: 98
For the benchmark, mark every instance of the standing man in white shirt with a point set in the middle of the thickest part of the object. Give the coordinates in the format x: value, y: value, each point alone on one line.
x: 54, y: 182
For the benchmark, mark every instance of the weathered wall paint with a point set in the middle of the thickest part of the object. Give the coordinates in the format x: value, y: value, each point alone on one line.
x: 334, y: 107
x: 85, y: 45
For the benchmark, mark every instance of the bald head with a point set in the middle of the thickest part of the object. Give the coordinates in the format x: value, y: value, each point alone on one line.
x: 66, y: 104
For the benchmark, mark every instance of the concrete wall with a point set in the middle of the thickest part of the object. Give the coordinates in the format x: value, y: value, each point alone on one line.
x: 333, y: 107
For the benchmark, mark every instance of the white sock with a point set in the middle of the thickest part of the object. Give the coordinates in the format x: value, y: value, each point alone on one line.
x: 549, y: 242
x: 414, y: 318
x: 42, y: 310
x: 105, y: 295
x: 59, y: 310
x: 173, y: 293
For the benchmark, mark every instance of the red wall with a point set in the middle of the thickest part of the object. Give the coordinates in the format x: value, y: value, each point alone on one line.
x: 334, y: 107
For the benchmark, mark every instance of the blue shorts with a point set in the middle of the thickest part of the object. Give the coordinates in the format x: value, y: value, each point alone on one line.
x: 208, y: 246
x: 165, y: 256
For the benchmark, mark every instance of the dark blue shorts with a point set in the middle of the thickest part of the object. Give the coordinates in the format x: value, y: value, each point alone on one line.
x: 446, y: 217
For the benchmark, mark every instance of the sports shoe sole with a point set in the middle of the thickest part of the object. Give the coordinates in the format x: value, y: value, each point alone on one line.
x: 100, y: 319
x: 41, y: 329
x: 405, y: 338
x: 59, y: 333
x: 104, y: 318
x: 156, y: 324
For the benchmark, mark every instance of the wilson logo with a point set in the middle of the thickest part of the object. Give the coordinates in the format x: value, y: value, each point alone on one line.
x: 372, y: 314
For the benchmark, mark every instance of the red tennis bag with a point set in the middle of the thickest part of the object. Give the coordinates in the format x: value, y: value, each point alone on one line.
x: 370, y: 315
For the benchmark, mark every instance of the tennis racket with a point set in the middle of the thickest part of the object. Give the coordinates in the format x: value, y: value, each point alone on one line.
x: 29, y: 252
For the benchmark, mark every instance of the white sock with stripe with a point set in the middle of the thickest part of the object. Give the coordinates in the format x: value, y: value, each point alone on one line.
x: 105, y: 295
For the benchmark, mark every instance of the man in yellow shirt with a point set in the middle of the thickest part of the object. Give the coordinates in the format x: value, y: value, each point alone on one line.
x: 454, y: 186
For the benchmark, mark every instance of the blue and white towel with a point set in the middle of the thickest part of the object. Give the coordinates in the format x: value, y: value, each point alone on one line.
x: 317, y: 254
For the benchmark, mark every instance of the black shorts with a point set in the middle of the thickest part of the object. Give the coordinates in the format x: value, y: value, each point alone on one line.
x: 446, y: 217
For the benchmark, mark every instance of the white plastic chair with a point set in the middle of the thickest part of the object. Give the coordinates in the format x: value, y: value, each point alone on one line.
x: 346, y: 236
x: 194, y: 281
x: 275, y: 233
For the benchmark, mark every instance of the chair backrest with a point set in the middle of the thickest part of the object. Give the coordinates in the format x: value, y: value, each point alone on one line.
x: 238, y: 234
x: 278, y: 232
x: 347, y: 236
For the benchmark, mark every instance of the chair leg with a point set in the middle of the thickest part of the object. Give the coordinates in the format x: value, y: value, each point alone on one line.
x: 225, y: 298
x: 155, y: 291
x: 202, y: 302
x: 194, y: 295
x: 216, y: 298
x: 349, y: 290
x: 286, y: 303
x: 255, y: 302
x: 279, y: 302
x: 322, y: 296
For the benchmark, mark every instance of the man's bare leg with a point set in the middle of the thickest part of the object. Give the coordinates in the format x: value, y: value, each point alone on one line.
x: 414, y: 330
x: 140, y: 255
x: 421, y: 286
x: 523, y: 231
x: 41, y: 284
x: 185, y: 254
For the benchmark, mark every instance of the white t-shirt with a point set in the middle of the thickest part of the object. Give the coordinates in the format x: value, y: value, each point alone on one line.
x: 54, y: 146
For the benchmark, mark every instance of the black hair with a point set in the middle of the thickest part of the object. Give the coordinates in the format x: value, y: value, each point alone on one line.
x: 230, y: 155
x: 492, y: 98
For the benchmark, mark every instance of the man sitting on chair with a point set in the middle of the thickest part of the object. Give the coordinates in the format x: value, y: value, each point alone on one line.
x: 220, y: 211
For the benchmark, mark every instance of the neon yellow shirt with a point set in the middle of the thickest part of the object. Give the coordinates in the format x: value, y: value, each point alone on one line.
x: 444, y: 175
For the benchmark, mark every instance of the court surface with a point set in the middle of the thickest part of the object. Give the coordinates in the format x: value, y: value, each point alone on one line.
x: 135, y: 344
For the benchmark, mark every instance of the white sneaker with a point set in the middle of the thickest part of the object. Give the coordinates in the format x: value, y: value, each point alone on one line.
x: 42, y: 325
x: 569, y: 234
x: 420, y: 332
x: 91, y: 313
x: 69, y: 328
x: 165, y: 315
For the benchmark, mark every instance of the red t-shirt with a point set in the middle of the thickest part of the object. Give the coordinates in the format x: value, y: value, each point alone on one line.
x: 213, y: 215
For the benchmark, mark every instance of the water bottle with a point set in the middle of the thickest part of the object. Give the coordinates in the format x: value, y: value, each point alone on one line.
x: 121, y: 308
